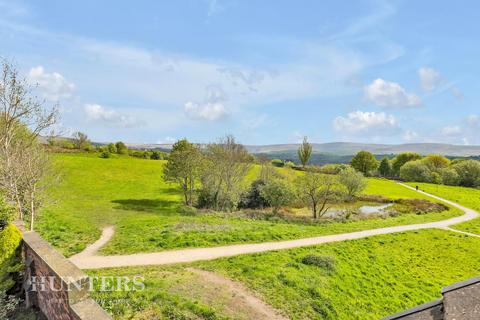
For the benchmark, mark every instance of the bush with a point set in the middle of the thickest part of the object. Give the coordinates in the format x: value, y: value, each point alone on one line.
x: 450, y: 177
x: 278, y: 163
x: 105, y: 155
x: 324, y: 262
x: 278, y: 193
x: 7, y: 213
x: 468, y: 172
x: 416, y: 171
x: 121, y: 148
x: 253, y: 199
x: 333, y: 168
x: 10, y: 256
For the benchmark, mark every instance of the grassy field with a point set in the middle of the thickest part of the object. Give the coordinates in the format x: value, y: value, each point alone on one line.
x: 130, y: 194
x: 469, y: 197
x: 369, y: 278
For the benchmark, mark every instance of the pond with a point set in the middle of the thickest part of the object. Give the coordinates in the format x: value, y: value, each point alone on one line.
x: 363, y: 210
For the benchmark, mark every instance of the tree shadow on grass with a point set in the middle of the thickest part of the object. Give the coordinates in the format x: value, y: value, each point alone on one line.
x: 162, y: 206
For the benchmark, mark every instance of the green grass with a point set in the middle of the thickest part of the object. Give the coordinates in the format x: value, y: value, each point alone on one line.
x: 371, y: 278
x: 468, y: 197
x: 148, y: 216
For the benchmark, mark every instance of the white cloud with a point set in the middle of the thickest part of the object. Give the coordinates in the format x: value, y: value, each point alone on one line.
x: 451, y: 130
x: 96, y: 112
x: 210, y: 111
x: 366, y: 123
x: 167, y: 140
x: 410, y: 135
x: 390, y: 94
x: 53, y: 85
x: 430, y: 78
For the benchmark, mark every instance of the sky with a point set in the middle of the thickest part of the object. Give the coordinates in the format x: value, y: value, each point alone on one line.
x: 268, y: 72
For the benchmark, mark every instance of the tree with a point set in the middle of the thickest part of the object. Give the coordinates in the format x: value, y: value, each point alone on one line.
x: 468, y: 172
x: 401, y: 159
x: 305, y: 152
x: 112, y: 148
x: 450, y: 177
x: 436, y: 162
x: 121, y: 147
x: 22, y: 119
x: 385, y: 169
x: 353, y: 181
x: 183, y: 167
x: 316, y: 191
x: 416, y: 171
x: 80, y: 140
x: 226, y: 165
x: 277, y: 193
x: 364, y: 162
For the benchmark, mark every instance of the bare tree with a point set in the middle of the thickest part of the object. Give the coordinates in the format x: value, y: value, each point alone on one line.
x: 80, y: 140
x: 317, y: 191
x: 226, y: 165
x: 23, y: 118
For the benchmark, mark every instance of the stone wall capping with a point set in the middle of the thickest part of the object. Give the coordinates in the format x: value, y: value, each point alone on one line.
x: 414, y: 310
x: 461, y: 284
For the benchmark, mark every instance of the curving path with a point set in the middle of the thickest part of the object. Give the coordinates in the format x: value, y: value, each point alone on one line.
x: 89, y: 260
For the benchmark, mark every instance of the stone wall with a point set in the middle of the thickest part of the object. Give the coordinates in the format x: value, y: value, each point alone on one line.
x: 55, y: 285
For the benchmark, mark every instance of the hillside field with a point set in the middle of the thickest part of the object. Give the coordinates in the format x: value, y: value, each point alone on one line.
x: 369, y: 278
x: 148, y: 215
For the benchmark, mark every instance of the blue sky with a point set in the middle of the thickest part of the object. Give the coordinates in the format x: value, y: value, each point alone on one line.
x: 266, y: 71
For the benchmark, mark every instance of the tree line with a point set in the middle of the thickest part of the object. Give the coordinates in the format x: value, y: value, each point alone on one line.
x: 410, y: 166
x: 215, y: 177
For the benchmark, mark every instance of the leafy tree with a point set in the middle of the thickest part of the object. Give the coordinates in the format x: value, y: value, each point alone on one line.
x: 316, y: 191
x: 450, y: 177
x: 364, y: 162
x: 105, y: 155
x: 277, y: 193
x: 305, y: 152
x: 468, y: 172
x: 385, y: 169
x: 436, y: 162
x: 7, y: 213
x: 183, y: 167
x: 416, y: 171
x: 80, y: 140
x: 121, y: 147
x: 353, y: 181
x: 156, y: 155
x: 112, y: 148
x: 401, y: 159
x: 225, y: 167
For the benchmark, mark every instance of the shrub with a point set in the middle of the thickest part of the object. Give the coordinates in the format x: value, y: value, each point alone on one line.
x: 324, y: 262
x: 10, y: 258
x: 277, y: 163
x: 7, y: 213
x: 468, y: 172
x: 450, y: 177
x: 105, y: 155
x: 278, y: 193
x: 156, y: 155
x: 401, y: 159
x: 253, y: 199
x: 333, y: 168
x: 416, y: 171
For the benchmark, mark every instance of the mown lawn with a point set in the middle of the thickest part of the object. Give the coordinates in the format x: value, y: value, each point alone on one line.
x: 148, y: 216
x: 370, y: 278
x: 468, y: 197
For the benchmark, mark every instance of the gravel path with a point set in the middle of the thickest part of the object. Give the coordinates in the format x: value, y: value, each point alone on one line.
x: 89, y: 260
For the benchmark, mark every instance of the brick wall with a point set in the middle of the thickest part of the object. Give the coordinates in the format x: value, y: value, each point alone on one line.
x: 55, y: 285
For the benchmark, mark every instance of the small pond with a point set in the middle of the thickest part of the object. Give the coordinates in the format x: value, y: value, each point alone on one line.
x: 363, y: 210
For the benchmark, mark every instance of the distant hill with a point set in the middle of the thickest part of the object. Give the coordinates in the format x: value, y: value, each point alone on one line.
x: 349, y: 148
